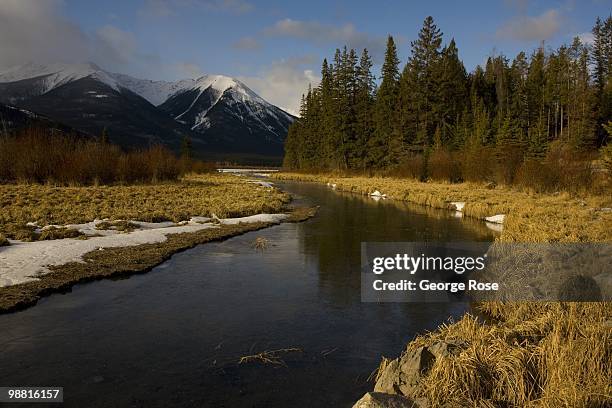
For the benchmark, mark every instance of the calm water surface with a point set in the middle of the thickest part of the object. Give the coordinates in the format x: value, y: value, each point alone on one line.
x: 173, y: 336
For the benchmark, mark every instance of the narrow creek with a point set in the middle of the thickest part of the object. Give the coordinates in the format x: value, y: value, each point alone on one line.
x: 173, y: 336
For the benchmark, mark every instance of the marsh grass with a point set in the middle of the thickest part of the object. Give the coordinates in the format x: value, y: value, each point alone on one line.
x: 58, y: 233
x: 118, y: 225
x: 202, y: 195
x: 531, y: 216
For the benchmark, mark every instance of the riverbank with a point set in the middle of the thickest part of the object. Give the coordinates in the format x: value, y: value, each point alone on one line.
x: 512, y: 354
x: 60, y: 246
x: 529, y: 217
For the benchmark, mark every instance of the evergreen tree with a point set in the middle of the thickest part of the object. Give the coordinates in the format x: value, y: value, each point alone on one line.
x: 508, y: 111
x: 602, y: 71
x: 364, y: 103
x: 451, y: 92
x: 385, y: 147
x: 423, y: 65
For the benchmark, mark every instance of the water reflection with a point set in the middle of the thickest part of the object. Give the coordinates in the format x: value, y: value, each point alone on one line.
x: 172, y: 337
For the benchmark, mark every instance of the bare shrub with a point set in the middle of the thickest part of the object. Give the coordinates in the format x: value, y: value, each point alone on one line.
x: 562, y: 169
x: 37, y: 155
x: 413, y: 166
x: 444, y: 166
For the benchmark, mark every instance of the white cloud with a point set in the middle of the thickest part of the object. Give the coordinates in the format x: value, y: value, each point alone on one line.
x: 35, y: 31
x: 122, y: 45
x: 32, y: 30
x: 531, y: 28
x: 283, y: 82
x: 319, y: 33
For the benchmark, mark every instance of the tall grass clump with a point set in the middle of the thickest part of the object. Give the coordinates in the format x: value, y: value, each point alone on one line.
x: 37, y: 155
x: 536, y: 354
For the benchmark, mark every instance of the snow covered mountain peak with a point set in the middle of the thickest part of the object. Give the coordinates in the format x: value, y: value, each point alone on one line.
x: 156, y: 92
x: 55, y: 75
x: 218, y: 111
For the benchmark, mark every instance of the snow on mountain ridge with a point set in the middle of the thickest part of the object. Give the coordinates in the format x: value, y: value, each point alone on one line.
x: 243, y: 100
x: 156, y: 92
x: 56, y: 75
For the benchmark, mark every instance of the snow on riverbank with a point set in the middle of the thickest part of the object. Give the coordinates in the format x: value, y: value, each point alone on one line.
x: 23, y: 261
x: 266, y: 184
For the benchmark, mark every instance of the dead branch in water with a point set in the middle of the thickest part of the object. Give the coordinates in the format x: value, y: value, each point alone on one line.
x: 261, y: 243
x: 269, y: 356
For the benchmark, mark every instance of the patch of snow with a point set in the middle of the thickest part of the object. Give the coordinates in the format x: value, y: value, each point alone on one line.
x: 153, y: 225
x: 199, y: 220
x: 266, y: 184
x: 274, y: 218
x: 230, y: 170
x: 494, y: 226
x: 459, y: 205
x: 25, y: 261
x: 496, y: 219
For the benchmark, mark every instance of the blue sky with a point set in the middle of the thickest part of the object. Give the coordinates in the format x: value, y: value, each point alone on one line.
x: 274, y: 46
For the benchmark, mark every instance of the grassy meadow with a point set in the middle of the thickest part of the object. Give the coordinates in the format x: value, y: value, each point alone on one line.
x: 194, y: 195
x: 520, y: 354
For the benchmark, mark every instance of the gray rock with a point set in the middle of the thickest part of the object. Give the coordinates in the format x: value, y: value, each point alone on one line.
x: 402, y: 376
x: 382, y: 400
x: 443, y: 349
x: 388, y: 378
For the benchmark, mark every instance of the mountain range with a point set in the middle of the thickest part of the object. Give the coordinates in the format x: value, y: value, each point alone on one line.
x: 222, y: 116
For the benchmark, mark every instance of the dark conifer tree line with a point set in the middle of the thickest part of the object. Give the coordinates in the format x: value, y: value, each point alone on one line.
x: 432, y: 119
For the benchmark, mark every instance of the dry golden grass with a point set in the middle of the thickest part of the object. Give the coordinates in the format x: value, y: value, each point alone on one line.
x: 526, y: 354
x: 118, y: 225
x: 531, y: 217
x: 199, y: 195
x: 533, y: 354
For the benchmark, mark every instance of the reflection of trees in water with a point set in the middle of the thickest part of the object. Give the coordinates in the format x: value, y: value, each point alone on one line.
x: 345, y: 220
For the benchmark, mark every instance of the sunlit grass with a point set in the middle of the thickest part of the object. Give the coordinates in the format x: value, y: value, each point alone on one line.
x: 531, y: 217
x: 528, y: 354
x: 198, y: 195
